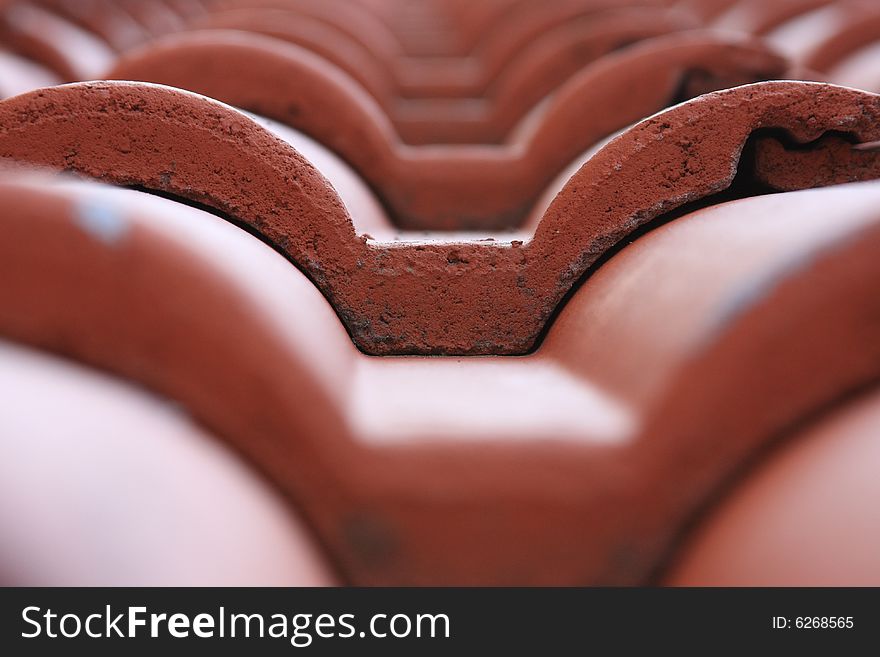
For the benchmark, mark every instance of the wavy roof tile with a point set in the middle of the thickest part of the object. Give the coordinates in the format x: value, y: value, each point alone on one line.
x: 340, y: 456
x: 823, y: 469
x: 439, y: 296
x: 449, y: 187
x: 299, y: 221
x: 76, y: 420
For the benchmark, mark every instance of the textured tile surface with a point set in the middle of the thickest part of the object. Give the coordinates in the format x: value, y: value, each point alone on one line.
x: 497, y: 292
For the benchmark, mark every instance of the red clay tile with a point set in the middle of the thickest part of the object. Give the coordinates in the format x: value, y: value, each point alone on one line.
x: 452, y: 28
x: 351, y: 18
x: 510, y: 89
x: 59, y: 45
x: 805, y: 516
x: 834, y: 160
x: 107, y: 19
x: 858, y: 29
x: 705, y: 10
x: 134, y: 491
x: 859, y: 70
x: 531, y: 76
x: 189, y: 9
x: 317, y: 36
x: 18, y: 75
x: 156, y: 18
x: 468, y: 73
x: 819, y: 39
x: 516, y: 29
x: 760, y: 17
x: 450, y: 188
x: 646, y: 382
x: 491, y: 492
x: 434, y: 296
x: 748, y: 386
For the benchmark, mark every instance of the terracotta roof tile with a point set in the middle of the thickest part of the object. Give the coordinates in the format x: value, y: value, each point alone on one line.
x: 348, y: 455
x: 156, y: 17
x: 58, y: 44
x: 112, y: 463
x: 706, y: 10
x: 656, y: 294
x: 505, y: 87
x: 428, y: 188
x: 352, y: 18
x: 860, y: 69
x: 19, y: 75
x: 107, y: 20
x: 423, y: 296
x: 805, y: 518
x: 760, y: 17
x: 820, y: 38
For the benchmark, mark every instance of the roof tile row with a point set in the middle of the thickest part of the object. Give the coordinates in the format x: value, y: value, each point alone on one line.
x: 539, y: 450
x: 669, y: 309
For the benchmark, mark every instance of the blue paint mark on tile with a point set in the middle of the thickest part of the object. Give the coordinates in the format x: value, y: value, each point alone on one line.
x: 102, y: 221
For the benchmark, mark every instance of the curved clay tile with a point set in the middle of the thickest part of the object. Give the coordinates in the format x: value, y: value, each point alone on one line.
x: 104, y: 18
x: 747, y: 332
x: 450, y: 187
x: 317, y: 36
x: 859, y: 70
x: 189, y: 9
x: 421, y: 27
x: 59, y: 45
x: 446, y: 471
x: 96, y: 464
x: 444, y: 28
x: 759, y: 16
x: 356, y: 21
x: 18, y: 75
x: 834, y: 161
x: 540, y: 69
x: 859, y: 30
x: 807, y: 516
x: 466, y: 22
x: 466, y: 25
x: 156, y: 17
x: 705, y: 10
x: 818, y: 39
x: 435, y: 296
x: 471, y: 75
x: 367, y: 214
